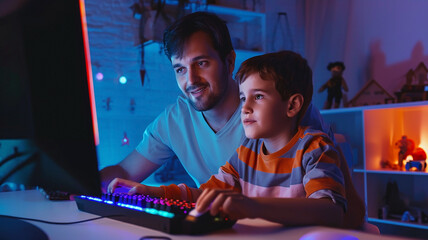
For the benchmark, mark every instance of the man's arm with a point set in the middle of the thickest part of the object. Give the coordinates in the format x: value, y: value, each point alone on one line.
x: 134, y: 167
x: 172, y: 191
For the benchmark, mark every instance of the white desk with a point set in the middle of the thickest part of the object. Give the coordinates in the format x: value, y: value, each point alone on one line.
x: 32, y: 204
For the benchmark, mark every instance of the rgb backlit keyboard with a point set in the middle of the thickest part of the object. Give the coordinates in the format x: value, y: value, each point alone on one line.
x: 166, y: 215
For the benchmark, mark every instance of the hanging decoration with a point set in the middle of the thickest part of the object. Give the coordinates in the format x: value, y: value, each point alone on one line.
x: 148, y: 13
x: 125, y: 140
x: 132, y: 105
x: 284, y: 27
x: 107, y: 105
x: 154, y: 18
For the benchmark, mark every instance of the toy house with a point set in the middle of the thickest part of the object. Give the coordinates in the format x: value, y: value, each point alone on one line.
x: 410, y: 75
x: 372, y: 93
x: 421, y: 74
x: 416, y: 86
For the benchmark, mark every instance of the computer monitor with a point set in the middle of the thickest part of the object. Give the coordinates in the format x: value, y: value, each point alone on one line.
x: 47, y: 100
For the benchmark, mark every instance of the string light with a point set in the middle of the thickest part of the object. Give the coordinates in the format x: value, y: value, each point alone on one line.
x: 125, y: 139
x: 123, y: 80
x: 99, y: 76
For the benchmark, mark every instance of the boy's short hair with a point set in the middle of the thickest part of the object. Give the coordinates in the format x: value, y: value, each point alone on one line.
x: 287, y: 69
x: 176, y: 35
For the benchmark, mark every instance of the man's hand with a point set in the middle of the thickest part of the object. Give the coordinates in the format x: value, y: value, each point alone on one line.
x: 134, y: 187
x: 226, y: 202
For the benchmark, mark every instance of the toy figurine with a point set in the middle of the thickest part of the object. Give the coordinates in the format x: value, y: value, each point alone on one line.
x: 419, y: 154
x: 419, y: 160
x: 334, y: 85
x: 407, y: 217
x: 406, y: 147
x: 416, y: 165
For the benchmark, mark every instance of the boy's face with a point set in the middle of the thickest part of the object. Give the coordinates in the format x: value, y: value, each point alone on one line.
x: 201, y: 74
x: 263, y: 112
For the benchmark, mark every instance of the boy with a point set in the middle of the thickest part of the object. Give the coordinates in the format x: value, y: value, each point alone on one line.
x: 282, y: 172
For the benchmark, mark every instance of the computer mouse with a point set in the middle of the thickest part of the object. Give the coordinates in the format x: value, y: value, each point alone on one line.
x: 327, y: 235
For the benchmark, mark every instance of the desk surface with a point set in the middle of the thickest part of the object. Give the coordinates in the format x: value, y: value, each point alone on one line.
x: 32, y: 204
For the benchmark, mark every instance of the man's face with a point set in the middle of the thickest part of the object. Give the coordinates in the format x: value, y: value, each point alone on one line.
x: 263, y: 113
x: 201, y: 74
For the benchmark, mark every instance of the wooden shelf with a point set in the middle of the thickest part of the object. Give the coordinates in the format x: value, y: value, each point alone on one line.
x: 396, y: 172
x: 399, y: 223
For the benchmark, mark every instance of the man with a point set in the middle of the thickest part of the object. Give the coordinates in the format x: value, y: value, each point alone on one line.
x: 202, y: 129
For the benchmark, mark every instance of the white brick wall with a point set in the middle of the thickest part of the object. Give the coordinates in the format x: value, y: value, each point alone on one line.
x: 113, y: 39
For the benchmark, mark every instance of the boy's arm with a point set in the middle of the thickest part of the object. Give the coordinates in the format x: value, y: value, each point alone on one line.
x: 287, y: 211
x: 300, y: 211
x: 227, y: 178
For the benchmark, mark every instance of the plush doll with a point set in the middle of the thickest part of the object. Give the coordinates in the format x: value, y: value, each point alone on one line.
x: 406, y: 147
x: 334, y: 85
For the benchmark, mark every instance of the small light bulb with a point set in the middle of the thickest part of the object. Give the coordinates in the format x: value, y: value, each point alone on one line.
x: 123, y: 80
x: 99, y: 76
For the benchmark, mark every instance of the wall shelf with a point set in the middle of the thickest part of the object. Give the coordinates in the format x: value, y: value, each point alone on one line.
x: 244, y: 15
x: 372, y: 132
x: 247, y: 28
x: 392, y: 172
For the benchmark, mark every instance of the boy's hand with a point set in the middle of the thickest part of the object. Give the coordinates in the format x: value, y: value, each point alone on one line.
x: 134, y: 187
x: 226, y: 202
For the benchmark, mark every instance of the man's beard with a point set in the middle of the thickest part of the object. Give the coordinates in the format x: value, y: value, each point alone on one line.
x: 209, y: 103
x: 212, y: 99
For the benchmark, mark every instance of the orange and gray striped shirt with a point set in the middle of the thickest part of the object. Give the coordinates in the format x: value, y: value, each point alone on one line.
x: 307, y: 167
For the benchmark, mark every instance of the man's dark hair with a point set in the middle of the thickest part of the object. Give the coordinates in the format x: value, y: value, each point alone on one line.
x: 290, y: 72
x: 176, y: 35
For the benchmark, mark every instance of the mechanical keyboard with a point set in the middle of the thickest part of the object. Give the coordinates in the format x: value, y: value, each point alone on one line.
x: 166, y: 215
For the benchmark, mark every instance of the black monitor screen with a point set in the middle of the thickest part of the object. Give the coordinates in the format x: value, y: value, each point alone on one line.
x: 47, y: 98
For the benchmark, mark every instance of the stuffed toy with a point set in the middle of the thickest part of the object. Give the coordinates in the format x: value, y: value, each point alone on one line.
x: 334, y: 85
